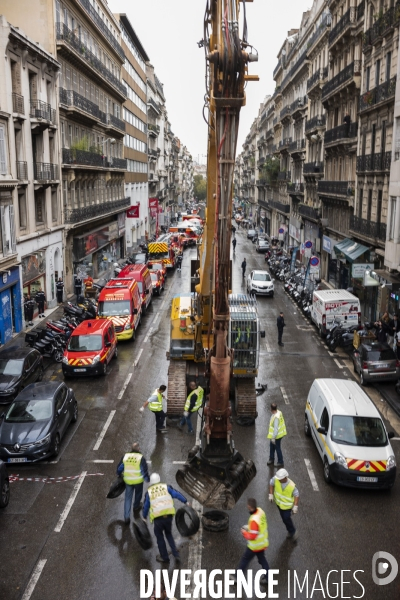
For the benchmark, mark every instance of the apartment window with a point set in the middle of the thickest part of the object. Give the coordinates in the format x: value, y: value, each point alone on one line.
x: 32, y: 85
x: 16, y: 77
x: 58, y: 19
x: 360, y: 203
x: 367, y: 78
x: 369, y: 206
x: 388, y: 65
x: 3, y: 151
x: 22, y: 210
x: 62, y: 134
x: 392, y: 221
x: 379, y: 207
x: 54, y: 212
x: 39, y: 207
x: 377, y: 72
x: 65, y: 192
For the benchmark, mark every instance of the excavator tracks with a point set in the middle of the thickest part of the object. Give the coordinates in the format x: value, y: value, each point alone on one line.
x: 245, y: 401
x: 176, y: 391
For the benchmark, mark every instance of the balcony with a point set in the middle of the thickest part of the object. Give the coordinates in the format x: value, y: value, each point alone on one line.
x: 381, y: 28
x: 341, y: 132
x: 297, y: 146
x: 82, y: 158
x: 295, y: 188
x: 95, y: 17
x: 368, y: 228
x: 298, y: 105
x: 284, y: 176
x: 116, y: 123
x: 72, y: 99
x: 315, y: 122
x: 42, y: 111
x: 74, y: 44
x: 345, y: 76
x: 117, y: 163
x: 78, y: 215
x: 269, y: 134
x: 18, y: 103
x: 385, y: 91
x: 309, y: 212
x: 317, y: 78
x: 261, y: 162
x: 153, y: 154
x: 284, y: 208
x: 336, y: 188
x: 275, y: 121
x: 22, y: 171
x: 323, y: 26
x: 153, y: 130
x: 153, y: 105
x: 45, y: 172
x: 285, y: 112
x: 153, y: 178
x: 313, y: 168
x: 285, y: 143
x: 374, y: 162
x: 348, y: 20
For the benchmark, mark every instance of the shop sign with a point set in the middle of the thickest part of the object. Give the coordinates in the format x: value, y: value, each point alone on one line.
x: 327, y: 244
x: 153, y: 203
x: 133, y: 212
x: 33, y: 266
x: 358, y: 269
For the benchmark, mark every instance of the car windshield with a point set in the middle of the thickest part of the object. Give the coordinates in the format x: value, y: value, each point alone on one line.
x: 9, y: 366
x: 140, y: 285
x: 110, y: 308
x: 85, y: 343
x: 154, y: 276
x: 385, y: 355
x: 358, y: 431
x: 29, y: 411
x: 261, y: 277
x: 156, y: 267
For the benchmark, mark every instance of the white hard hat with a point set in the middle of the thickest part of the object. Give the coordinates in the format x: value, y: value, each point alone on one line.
x: 155, y: 478
x: 281, y: 474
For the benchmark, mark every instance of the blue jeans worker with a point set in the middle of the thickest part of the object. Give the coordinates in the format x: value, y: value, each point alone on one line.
x: 155, y: 404
x: 256, y: 534
x: 277, y: 430
x: 193, y: 402
x: 159, y: 502
x: 134, y: 470
x: 284, y: 493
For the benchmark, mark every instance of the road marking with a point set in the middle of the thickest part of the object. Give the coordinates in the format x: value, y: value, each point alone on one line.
x: 179, y: 462
x: 102, y: 461
x: 395, y: 439
x: 127, y: 380
x: 338, y: 363
x: 268, y: 347
x: 162, y: 304
x: 147, y: 336
x: 156, y: 319
x: 70, y: 502
x: 311, y: 475
x: 331, y: 353
x: 104, y: 430
x: 285, y: 396
x: 196, y: 542
x: 135, y: 364
x: 34, y: 579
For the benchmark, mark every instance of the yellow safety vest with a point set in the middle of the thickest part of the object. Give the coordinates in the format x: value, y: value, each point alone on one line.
x: 261, y: 542
x: 161, y: 501
x: 281, y: 426
x: 156, y: 405
x: 132, y: 473
x: 284, y: 497
x: 246, y: 338
x: 200, y: 393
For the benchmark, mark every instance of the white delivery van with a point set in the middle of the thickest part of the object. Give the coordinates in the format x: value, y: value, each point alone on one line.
x: 349, y: 434
x: 338, y: 305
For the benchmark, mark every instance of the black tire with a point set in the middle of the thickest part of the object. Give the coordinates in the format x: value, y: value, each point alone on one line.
x: 362, y: 380
x: 5, y: 494
x: 321, y: 335
x: 75, y: 413
x: 56, y: 449
x: 215, y: 520
x: 116, y: 352
x: 41, y: 373
x: 142, y: 534
x: 307, y: 428
x: 58, y: 355
x: 181, y: 521
x: 246, y: 421
x: 327, y: 471
x: 104, y: 370
x: 272, y: 295
x: 116, y: 488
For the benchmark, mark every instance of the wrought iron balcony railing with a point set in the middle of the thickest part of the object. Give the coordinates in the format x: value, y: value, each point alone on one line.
x: 322, y: 27
x: 385, y: 91
x: 42, y: 110
x: 72, y: 98
x: 118, y: 163
x: 116, y: 122
x: 348, y: 19
x: 269, y: 134
x: 103, y: 27
x: 18, y: 103
x: 285, y: 208
x: 341, y: 132
x: 22, y: 171
x: 77, y: 215
x: 308, y: 211
x: 284, y: 175
x: 153, y: 128
x: 382, y: 26
x: 379, y: 161
x: 314, y: 122
x: 285, y: 111
x: 153, y: 104
x: 295, y: 188
x: 297, y: 146
x: 82, y: 157
x: 45, y: 172
x: 313, y: 167
x: 368, y: 228
x: 337, y: 188
x: 344, y: 76
x: 285, y: 143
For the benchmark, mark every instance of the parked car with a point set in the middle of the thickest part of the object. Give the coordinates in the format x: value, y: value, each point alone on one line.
x: 251, y: 233
x: 376, y: 362
x: 19, y: 366
x: 157, y: 281
x: 260, y: 282
x: 262, y: 245
x: 35, y: 423
x: 4, y: 485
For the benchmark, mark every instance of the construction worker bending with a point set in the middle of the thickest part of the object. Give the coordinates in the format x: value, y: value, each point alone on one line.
x: 277, y: 430
x: 156, y: 406
x: 159, y: 501
x: 256, y: 534
x: 193, y: 402
x: 284, y: 492
x: 134, y: 470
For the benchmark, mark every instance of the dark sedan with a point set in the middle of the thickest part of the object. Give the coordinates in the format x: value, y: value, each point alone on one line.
x: 19, y: 367
x: 33, y: 426
x: 4, y: 485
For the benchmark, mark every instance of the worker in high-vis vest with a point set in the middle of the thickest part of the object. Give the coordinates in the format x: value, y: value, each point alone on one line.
x: 284, y: 493
x: 134, y: 470
x: 159, y: 502
x: 277, y: 430
x: 155, y: 404
x: 194, y: 401
x: 256, y: 534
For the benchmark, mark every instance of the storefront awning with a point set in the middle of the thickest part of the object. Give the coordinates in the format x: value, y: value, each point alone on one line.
x: 350, y: 249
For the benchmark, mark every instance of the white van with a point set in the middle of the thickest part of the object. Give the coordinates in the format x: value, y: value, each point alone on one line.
x: 330, y: 305
x: 350, y: 435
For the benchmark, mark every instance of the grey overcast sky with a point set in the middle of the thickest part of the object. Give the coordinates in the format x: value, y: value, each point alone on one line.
x: 169, y: 31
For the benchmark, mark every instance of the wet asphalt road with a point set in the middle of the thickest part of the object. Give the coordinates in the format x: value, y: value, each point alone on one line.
x: 90, y: 554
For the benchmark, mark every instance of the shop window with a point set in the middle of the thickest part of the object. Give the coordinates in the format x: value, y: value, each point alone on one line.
x: 54, y: 211
x: 39, y: 208
x: 22, y: 210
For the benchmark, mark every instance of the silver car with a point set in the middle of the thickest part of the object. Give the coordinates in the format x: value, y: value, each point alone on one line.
x: 260, y: 282
x: 262, y: 245
x: 376, y: 362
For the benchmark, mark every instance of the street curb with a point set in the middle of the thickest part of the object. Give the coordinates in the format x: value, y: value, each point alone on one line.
x: 394, y: 405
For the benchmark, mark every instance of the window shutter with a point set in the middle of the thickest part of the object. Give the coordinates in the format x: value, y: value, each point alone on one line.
x: 3, y: 161
x: 12, y: 229
x: 68, y: 78
x: 3, y: 230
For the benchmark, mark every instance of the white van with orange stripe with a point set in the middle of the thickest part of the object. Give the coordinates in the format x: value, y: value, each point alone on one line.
x: 350, y: 435
x: 120, y: 302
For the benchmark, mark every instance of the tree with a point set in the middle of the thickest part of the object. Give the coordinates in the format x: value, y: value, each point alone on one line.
x: 200, y: 187
x: 270, y: 169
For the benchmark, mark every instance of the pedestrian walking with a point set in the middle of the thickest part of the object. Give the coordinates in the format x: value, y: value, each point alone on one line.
x: 179, y: 259
x: 156, y: 406
x: 277, y: 430
x: 193, y: 402
x: 134, y: 470
x: 159, y: 501
x: 244, y: 265
x: 29, y: 306
x: 234, y: 245
x: 284, y: 493
x: 280, y: 322
x: 60, y: 290
x: 256, y: 534
x: 78, y: 286
x: 381, y: 332
x: 40, y: 299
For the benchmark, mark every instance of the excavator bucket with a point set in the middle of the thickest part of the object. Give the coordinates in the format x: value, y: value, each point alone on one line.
x: 213, y: 483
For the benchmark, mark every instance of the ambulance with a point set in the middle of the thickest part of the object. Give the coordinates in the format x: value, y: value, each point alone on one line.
x: 120, y: 302
x: 90, y: 348
x: 141, y: 274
